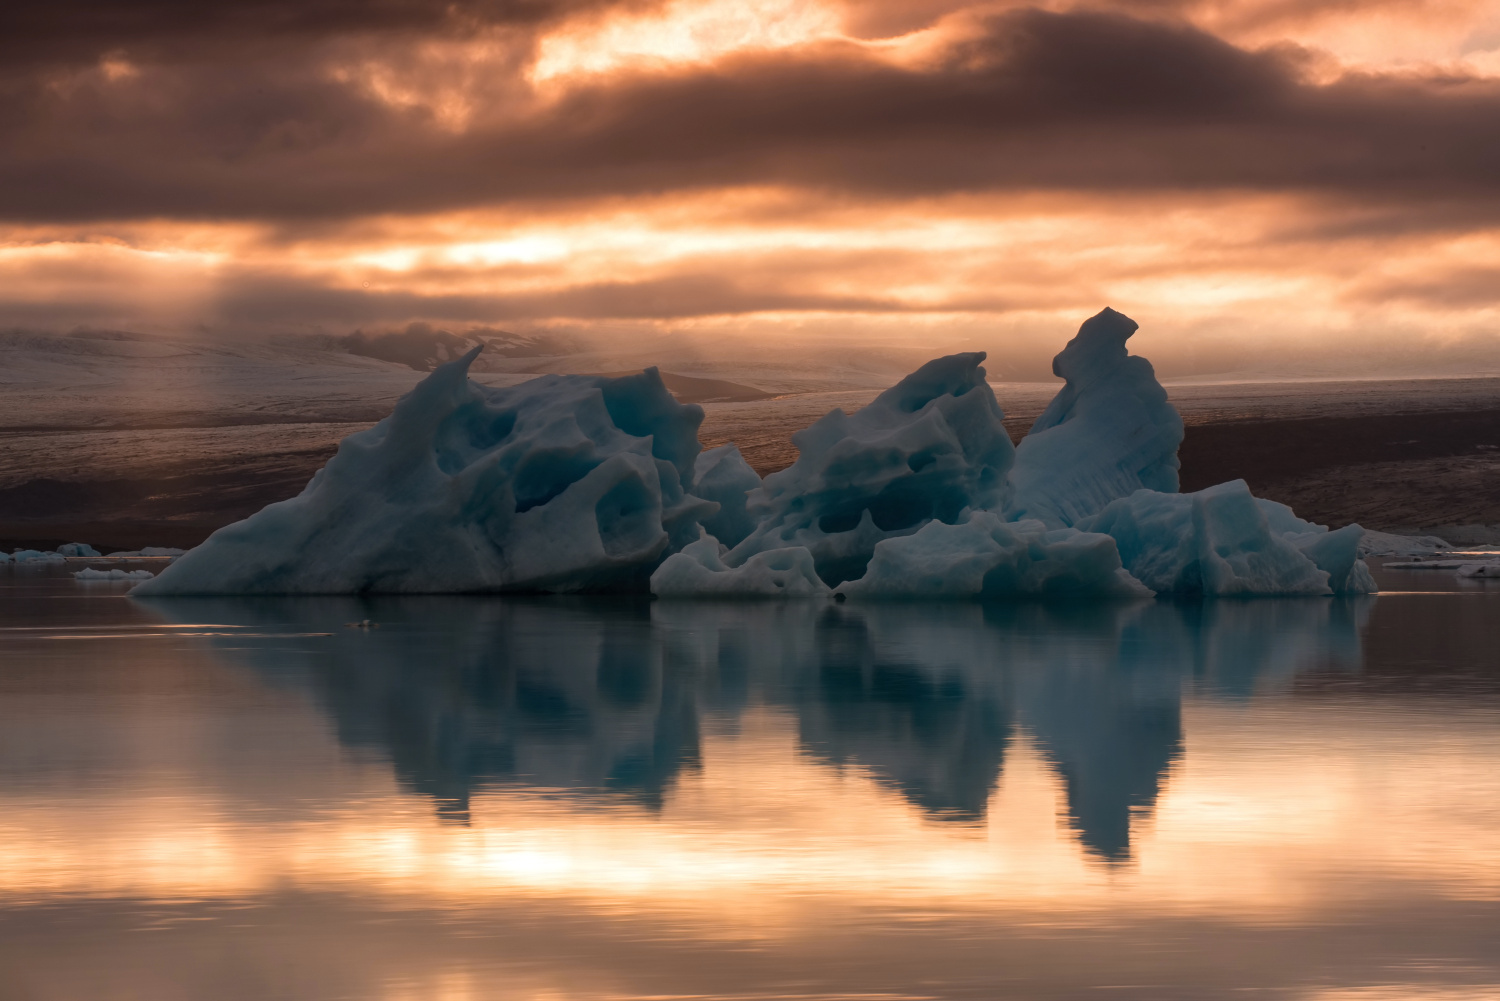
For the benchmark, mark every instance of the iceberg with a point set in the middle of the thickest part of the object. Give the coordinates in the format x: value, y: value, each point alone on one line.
x: 1222, y: 541
x: 597, y: 483
x: 36, y: 556
x: 926, y: 449
x: 89, y: 573
x: 1108, y: 433
x: 563, y: 483
x: 78, y: 549
x: 1386, y: 544
x: 986, y: 556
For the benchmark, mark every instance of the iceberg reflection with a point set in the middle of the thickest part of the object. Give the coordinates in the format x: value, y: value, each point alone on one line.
x: 592, y: 698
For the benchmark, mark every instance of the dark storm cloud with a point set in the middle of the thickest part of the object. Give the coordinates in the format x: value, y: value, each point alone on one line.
x: 83, y: 30
x: 1085, y: 102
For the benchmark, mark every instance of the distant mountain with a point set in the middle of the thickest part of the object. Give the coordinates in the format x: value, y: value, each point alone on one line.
x: 423, y: 347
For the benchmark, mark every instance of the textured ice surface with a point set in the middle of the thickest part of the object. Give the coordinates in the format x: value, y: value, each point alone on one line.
x: 723, y: 476
x: 564, y: 483
x: 927, y: 448
x: 1109, y: 432
x: 987, y: 556
x: 699, y: 571
x: 1222, y: 541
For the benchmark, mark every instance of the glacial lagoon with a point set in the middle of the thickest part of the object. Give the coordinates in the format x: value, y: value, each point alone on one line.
x: 557, y: 798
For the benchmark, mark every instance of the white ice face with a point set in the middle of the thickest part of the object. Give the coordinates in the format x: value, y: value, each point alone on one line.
x: 584, y: 483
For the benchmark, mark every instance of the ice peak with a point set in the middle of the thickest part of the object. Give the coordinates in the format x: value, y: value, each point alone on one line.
x: 951, y: 375
x: 1098, y: 346
x: 1109, y: 431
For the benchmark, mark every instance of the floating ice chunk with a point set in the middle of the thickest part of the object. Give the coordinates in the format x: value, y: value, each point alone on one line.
x: 77, y: 549
x: 89, y: 573
x: 1462, y: 568
x: 4, y: 557
x: 171, y: 551
x: 1108, y: 433
x: 1386, y: 544
x: 927, y: 448
x: 1220, y: 541
x: 987, y: 556
x: 563, y: 483
x: 35, y: 556
x: 723, y: 476
x: 699, y: 571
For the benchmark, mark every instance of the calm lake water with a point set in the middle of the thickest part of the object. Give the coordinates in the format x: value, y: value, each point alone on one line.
x: 489, y: 798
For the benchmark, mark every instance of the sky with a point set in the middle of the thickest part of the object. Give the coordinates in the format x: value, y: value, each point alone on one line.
x: 1304, y: 187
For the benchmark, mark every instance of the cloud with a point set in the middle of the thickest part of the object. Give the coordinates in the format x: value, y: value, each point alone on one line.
x: 984, y: 180
x: 274, y: 299
x: 1081, y: 101
x: 73, y: 31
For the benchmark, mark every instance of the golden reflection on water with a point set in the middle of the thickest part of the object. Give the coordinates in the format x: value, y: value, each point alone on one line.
x: 1256, y: 821
x: 527, y: 800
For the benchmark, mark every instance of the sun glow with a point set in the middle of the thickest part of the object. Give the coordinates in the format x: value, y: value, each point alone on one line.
x: 685, y: 32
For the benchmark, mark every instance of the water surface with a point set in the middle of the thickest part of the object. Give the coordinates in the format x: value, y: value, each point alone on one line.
x: 588, y: 798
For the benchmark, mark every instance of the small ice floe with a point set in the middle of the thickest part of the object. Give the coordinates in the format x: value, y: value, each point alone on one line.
x: 90, y: 573
x: 1459, y: 567
x: 362, y: 624
x: 78, y: 549
x: 152, y: 552
x: 36, y: 556
x: 1387, y: 544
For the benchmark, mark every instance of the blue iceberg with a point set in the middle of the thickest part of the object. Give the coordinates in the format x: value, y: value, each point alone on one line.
x: 1221, y: 541
x: 591, y: 483
x: 563, y: 483
x: 929, y: 448
x: 1108, y: 433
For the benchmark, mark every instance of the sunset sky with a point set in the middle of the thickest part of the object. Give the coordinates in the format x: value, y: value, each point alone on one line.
x: 1305, y: 186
